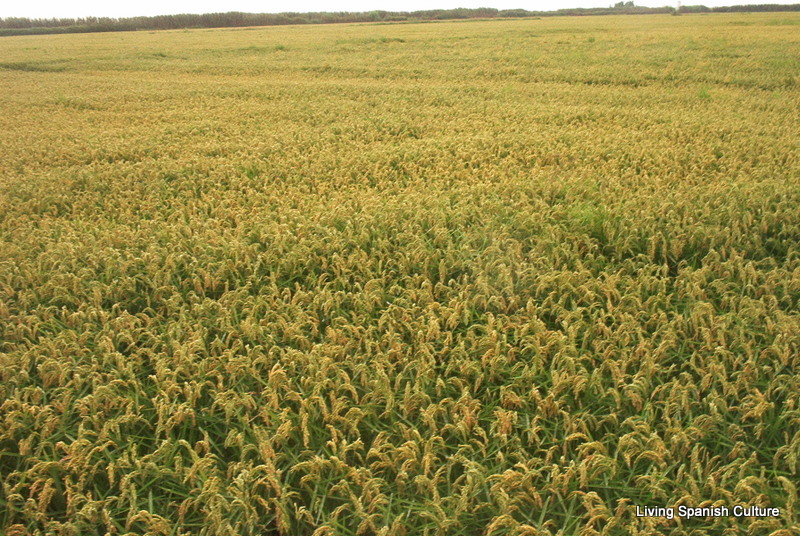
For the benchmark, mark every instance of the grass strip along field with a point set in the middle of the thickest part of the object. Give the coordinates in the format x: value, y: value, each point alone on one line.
x: 496, y: 277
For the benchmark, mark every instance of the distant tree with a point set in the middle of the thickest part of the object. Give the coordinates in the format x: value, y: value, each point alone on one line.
x: 25, y: 26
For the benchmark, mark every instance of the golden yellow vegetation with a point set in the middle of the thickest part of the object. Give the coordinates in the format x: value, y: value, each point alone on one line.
x: 458, y: 278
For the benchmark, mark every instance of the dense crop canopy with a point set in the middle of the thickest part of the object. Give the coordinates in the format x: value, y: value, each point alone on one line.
x: 498, y: 277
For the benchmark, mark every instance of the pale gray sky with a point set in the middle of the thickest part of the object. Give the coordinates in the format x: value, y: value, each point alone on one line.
x: 83, y: 8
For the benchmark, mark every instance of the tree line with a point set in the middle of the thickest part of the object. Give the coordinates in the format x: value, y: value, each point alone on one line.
x: 27, y: 26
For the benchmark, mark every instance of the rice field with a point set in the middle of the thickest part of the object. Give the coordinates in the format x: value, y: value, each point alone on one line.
x: 509, y: 277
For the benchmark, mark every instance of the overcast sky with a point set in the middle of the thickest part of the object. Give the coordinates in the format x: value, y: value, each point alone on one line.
x: 83, y: 8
